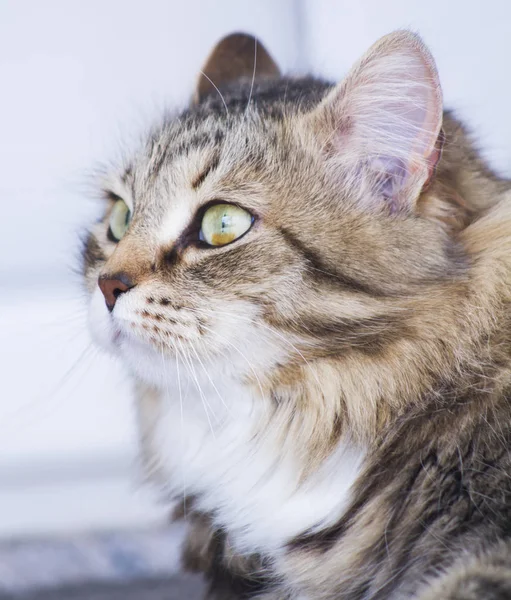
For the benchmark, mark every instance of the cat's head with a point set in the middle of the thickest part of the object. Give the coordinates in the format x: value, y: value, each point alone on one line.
x: 277, y: 222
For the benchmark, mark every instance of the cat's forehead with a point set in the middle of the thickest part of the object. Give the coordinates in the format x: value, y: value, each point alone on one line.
x: 176, y: 154
x: 187, y: 160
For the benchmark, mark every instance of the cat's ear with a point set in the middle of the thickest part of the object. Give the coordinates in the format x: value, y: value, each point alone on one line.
x: 235, y: 57
x: 382, y: 124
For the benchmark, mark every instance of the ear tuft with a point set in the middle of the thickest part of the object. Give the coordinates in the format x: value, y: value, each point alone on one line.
x: 384, y: 120
x: 235, y: 57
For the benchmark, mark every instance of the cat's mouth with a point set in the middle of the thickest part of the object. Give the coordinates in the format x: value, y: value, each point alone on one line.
x: 153, y: 324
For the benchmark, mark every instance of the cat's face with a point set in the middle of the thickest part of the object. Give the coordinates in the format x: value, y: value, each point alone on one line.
x: 203, y: 250
x: 255, y: 239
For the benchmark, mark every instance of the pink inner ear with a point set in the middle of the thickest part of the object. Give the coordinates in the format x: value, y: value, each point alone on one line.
x: 393, y: 103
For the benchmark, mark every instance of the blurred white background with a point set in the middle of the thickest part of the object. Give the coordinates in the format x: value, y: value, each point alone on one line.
x: 78, y: 79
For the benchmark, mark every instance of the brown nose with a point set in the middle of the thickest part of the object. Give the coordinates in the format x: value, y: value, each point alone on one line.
x: 113, y: 286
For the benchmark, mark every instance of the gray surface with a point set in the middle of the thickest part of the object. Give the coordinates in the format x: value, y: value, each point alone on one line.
x: 109, y: 558
x: 180, y: 587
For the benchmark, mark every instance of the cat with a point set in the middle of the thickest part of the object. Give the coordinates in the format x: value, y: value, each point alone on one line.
x: 309, y: 285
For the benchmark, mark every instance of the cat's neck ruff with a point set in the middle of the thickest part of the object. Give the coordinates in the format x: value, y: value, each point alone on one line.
x: 203, y: 438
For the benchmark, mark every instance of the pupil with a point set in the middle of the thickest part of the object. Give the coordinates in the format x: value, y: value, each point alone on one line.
x: 226, y: 222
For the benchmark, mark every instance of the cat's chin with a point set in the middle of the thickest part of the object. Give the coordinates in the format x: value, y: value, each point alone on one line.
x: 101, y: 326
x: 145, y: 363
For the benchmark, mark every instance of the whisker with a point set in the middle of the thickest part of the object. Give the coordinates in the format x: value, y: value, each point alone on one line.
x: 167, y: 392
x: 209, y: 377
x: 182, y: 428
x: 219, y: 92
x: 199, y: 389
x: 253, y: 75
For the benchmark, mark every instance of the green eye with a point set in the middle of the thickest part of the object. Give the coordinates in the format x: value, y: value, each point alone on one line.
x: 120, y: 218
x: 224, y: 223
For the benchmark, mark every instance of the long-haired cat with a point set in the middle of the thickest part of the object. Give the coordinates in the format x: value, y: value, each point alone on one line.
x: 310, y: 286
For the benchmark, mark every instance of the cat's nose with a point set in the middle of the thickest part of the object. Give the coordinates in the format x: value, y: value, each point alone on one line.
x: 113, y: 286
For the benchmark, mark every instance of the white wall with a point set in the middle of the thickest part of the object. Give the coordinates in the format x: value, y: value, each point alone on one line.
x: 470, y: 40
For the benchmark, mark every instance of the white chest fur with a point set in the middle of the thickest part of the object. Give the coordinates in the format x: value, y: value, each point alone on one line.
x: 201, y: 439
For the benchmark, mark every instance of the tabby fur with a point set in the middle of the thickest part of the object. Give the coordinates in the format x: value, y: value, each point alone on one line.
x: 364, y: 352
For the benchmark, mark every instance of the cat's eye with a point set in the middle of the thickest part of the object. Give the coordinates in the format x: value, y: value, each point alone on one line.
x: 224, y: 223
x: 120, y: 218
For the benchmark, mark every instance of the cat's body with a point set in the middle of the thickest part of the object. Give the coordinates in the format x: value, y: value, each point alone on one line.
x: 329, y: 394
